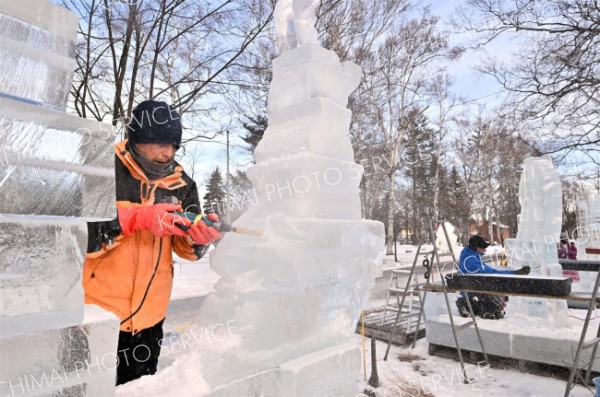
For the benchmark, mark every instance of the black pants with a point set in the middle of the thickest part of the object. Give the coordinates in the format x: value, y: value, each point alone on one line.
x: 138, y: 354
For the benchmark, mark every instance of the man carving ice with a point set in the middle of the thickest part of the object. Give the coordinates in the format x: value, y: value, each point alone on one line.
x: 129, y: 266
x: 484, y: 305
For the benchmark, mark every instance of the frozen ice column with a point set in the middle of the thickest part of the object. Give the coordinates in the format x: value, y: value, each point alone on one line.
x: 588, y: 236
x: 540, y: 221
x: 57, y: 172
x: 299, y: 289
x: 37, y: 51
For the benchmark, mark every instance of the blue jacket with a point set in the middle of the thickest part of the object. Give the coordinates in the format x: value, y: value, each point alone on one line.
x: 471, y: 263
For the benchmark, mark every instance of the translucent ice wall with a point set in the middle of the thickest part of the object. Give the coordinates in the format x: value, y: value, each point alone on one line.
x: 37, y: 51
x: 540, y: 221
x: 299, y: 288
x: 57, y: 172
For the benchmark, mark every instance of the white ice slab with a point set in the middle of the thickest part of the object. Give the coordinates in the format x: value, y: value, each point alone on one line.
x: 78, y: 360
x: 40, y: 278
x: 37, y: 47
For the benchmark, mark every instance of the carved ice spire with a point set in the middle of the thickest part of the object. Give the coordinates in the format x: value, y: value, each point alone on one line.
x: 295, y: 23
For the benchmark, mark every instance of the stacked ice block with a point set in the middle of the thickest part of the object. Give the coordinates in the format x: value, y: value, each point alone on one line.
x: 57, y: 173
x: 37, y: 51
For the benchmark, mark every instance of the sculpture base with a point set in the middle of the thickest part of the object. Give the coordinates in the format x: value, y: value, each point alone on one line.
x: 333, y: 371
x: 515, y: 336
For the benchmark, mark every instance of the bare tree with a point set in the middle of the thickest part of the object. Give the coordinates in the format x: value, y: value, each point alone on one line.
x: 490, y: 157
x: 179, y: 51
x: 554, y: 79
x: 408, y: 58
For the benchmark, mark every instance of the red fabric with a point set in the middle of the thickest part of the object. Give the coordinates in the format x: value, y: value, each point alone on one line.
x: 157, y: 219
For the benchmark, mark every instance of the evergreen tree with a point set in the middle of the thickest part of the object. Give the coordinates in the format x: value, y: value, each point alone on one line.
x: 419, y: 156
x: 459, y: 208
x: 214, y: 199
x: 444, y: 209
x: 255, y: 129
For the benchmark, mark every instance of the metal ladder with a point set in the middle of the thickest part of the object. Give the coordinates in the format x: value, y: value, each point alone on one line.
x: 575, y: 370
x: 410, y: 289
x: 456, y: 330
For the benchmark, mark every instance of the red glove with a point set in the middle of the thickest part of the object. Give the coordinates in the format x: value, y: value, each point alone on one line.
x: 157, y: 219
x: 202, y: 234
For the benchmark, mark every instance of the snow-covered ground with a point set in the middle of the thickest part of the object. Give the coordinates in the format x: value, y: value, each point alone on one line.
x: 435, y: 376
x: 428, y: 374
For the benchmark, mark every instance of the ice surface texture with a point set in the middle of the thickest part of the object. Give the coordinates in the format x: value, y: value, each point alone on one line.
x: 40, y: 273
x: 54, y: 164
x: 73, y: 361
x: 36, y: 51
x: 57, y: 172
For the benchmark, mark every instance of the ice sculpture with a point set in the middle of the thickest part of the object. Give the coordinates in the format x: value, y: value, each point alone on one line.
x: 294, y: 294
x: 540, y: 221
x: 295, y: 23
x: 300, y: 288
x: 588, y: 226
x: 588, y: 237
x: 57, y: 173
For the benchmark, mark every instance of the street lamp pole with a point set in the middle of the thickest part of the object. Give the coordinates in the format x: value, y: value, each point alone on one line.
x: 227, y: 182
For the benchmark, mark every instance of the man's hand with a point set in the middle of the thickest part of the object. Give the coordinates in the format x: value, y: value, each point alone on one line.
x: 202, y: 234
x: 524, y: 270
x: 158, y: 219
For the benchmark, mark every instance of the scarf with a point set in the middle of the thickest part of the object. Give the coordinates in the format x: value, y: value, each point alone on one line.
x: 152, y: 169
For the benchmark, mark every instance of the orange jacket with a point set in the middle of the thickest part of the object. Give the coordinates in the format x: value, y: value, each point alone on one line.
x: 132, y: 276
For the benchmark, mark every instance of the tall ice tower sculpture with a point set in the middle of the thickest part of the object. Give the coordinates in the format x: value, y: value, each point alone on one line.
x: 300, y: 288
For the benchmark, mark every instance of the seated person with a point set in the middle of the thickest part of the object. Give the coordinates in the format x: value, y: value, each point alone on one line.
x: 484, y: 305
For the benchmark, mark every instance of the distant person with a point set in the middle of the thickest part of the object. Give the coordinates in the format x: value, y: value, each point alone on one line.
x: 563, y: 250
x: 128, y: 268
x: 572, y: 251
x: 471, y: 262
